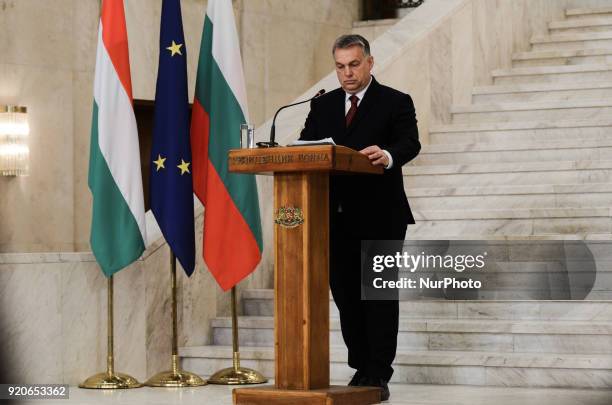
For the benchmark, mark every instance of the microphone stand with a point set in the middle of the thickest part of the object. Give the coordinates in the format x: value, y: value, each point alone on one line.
x: 272, y: 143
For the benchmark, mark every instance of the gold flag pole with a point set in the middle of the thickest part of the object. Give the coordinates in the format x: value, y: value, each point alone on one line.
x: 175, y: 377
x: 110, y: 379
x: 236, y: 375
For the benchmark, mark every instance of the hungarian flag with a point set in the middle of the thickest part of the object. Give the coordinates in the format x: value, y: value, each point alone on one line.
x: 171, y: 182
x: 232, y: 227
x: 118, y: 220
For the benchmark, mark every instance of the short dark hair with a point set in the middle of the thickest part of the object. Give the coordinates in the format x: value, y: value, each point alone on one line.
x: 346, y: 41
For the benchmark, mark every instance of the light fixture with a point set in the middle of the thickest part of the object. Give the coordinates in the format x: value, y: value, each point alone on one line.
x: 14, y: 131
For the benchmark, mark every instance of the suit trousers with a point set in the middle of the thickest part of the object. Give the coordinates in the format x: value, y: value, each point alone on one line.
x: 369, y: 327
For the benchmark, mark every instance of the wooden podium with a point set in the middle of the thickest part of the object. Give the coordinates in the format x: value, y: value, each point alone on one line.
x: 301, y: 279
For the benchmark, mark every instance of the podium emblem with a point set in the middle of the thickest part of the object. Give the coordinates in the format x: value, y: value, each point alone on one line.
x: 289, y: 217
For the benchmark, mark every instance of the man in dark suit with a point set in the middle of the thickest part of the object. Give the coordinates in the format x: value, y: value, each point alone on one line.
x: 379, y: 122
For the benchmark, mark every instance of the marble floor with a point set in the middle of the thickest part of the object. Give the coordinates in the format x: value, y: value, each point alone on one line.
x: 400, y: 395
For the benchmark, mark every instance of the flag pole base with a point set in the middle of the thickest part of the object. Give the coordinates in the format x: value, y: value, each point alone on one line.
x: 237, y: 376
x: 107, y: 381
x: 175, y: 379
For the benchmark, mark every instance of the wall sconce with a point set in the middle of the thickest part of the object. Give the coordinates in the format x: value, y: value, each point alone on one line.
x: 14, y: 131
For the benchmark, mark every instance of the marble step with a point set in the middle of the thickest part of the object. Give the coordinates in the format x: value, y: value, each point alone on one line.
x: 542, y: 294
x: 556, y: 57
x: 518, y: 228
x: 503, y: 190
x: 563, y: 42
x: 488, y: 223
x: 588, y: 236
x: 506, y: 197
x: 527, y: 131
x: 598, y: 214
x: 539, y: 92
x: 525, y: 255
x: 260, y: 302
x: 440, y: 148
x: 500, y: 336
x: 572, y: 26
x: 434, y: 326
x: 534, y: 294
x: 443, y: 154
x: 525, y: 274
x: 520, y: 173
x: 435, y: 367
x: 529, y: 111
x: 583, y: 12
x: 553, y: 74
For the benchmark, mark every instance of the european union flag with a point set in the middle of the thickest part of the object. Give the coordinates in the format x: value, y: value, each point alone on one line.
x: 171, y: 182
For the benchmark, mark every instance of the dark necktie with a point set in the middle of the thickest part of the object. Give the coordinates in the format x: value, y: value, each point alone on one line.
x: 352, y: 111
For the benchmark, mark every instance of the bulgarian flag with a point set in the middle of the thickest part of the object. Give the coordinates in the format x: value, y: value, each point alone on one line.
x: 118, y: 220
x: 232, y: 227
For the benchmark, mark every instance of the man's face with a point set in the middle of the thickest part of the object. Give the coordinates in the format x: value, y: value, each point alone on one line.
x: 353, y: 68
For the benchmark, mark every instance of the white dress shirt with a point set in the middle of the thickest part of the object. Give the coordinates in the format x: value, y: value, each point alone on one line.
x: 347, y: 107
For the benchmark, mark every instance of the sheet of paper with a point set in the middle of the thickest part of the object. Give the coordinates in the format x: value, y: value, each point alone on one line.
x: 324, y: 141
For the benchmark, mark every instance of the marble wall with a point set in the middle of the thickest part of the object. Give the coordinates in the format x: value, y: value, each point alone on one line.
x: 54, y: 317
x: 53, y: 314
x: 371, y: 29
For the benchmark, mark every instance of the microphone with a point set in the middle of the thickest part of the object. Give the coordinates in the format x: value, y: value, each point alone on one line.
x: 272, y: 143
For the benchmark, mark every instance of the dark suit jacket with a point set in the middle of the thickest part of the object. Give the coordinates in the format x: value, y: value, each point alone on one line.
x: 385, y: 117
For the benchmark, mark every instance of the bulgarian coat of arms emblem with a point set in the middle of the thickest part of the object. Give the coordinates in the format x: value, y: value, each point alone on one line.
x: 289, y: 217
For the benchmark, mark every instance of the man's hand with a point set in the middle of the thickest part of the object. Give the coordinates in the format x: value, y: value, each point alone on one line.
x: 376, y: 155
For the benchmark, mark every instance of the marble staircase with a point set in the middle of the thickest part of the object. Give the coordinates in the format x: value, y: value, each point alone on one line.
x: 521, y: 343
x: 530, y: 158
